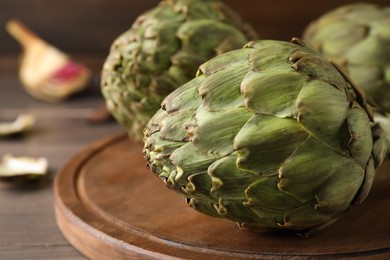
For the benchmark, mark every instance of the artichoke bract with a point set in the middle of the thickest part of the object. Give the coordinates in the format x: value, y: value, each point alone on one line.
x: 272, y: 136
x: 357, y: 37
x: 162, y: 50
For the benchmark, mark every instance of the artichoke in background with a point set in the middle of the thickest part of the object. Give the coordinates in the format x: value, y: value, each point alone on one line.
x: 357, y: 37
x: 161, y: 51
x: 271, y: 136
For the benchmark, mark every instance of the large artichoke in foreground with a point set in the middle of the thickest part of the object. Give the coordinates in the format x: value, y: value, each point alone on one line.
x: 271, y: 136
x: 161, y: 51
x: 357, y: 37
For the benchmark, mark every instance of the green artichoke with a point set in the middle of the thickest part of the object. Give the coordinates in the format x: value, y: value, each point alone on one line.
x: 271, y: 136
x: 357, y: 37
x: 162, y: 50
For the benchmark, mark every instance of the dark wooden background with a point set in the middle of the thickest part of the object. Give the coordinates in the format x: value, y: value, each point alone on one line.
x: 86, y: 29
x: 91, y: 25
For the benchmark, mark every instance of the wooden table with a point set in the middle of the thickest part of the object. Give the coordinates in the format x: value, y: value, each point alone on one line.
x: 28, y: 229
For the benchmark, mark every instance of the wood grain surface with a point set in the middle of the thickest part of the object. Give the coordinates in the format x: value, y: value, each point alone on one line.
x: 85, y: 29
x: 109, y: 206
x: 28, y: 229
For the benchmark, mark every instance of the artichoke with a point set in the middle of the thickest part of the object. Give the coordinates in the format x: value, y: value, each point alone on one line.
x: 271, y: 136
x: 162, y: 50
x: 357, y: 37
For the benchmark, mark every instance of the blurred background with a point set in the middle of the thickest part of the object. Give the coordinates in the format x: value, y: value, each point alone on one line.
x: 89, y: 26
x: 85, y: 29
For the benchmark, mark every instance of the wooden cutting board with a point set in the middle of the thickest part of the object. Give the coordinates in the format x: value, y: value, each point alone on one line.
x: 109, y: 206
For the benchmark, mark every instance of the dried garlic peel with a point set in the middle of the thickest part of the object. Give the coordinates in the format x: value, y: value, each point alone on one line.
x: 23, y: 123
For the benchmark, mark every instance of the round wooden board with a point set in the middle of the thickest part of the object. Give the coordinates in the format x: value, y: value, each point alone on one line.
x: 109, y: 206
